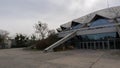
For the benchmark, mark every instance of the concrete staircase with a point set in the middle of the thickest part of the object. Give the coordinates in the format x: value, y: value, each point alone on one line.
x: 61, y: 41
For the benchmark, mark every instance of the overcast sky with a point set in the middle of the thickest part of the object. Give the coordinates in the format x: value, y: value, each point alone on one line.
x: 19, y: 16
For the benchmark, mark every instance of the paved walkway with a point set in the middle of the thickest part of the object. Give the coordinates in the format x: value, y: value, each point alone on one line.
x: 18, y: 58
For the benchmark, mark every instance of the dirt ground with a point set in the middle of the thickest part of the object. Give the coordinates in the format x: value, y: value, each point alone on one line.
x: 19, y: 58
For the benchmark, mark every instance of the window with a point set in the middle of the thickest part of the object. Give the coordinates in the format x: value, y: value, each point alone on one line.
x: 102, y: 36
x: 100, y: 22
x: 77, y: 26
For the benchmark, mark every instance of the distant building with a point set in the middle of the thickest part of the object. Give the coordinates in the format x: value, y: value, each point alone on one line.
x: 98, y: 30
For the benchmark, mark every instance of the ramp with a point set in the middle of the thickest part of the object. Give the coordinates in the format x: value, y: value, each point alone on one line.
x: 61, y: 41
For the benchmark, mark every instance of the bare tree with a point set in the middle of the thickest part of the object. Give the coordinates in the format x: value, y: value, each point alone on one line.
x: 41, y: 30
x: 4, y: 34
x: 3, y: 37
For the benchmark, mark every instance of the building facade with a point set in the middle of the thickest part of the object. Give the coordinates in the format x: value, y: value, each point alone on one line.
x: 98, y: 30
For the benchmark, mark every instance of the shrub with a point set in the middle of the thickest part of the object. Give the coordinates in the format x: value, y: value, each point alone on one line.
x: 44, y: 43
x: 20, y: 41
x: 65, y: 46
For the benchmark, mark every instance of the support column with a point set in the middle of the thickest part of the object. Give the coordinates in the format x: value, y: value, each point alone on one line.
x: 108, y: 44
x: 82, y: 45
x: 90, y: 45
x: 94, y: 45
x: 103, y: 46
x: 86, y: 45
x: 114, y: 44
x: 98, y: 45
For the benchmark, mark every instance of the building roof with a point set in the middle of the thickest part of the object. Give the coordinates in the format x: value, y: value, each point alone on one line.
x: 109, y: 13
x: 66, y: 25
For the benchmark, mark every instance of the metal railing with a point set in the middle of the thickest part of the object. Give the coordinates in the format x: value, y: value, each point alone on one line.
x: 109, y: 44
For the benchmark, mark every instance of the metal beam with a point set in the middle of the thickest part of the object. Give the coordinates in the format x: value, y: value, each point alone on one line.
x: 61, y: 41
